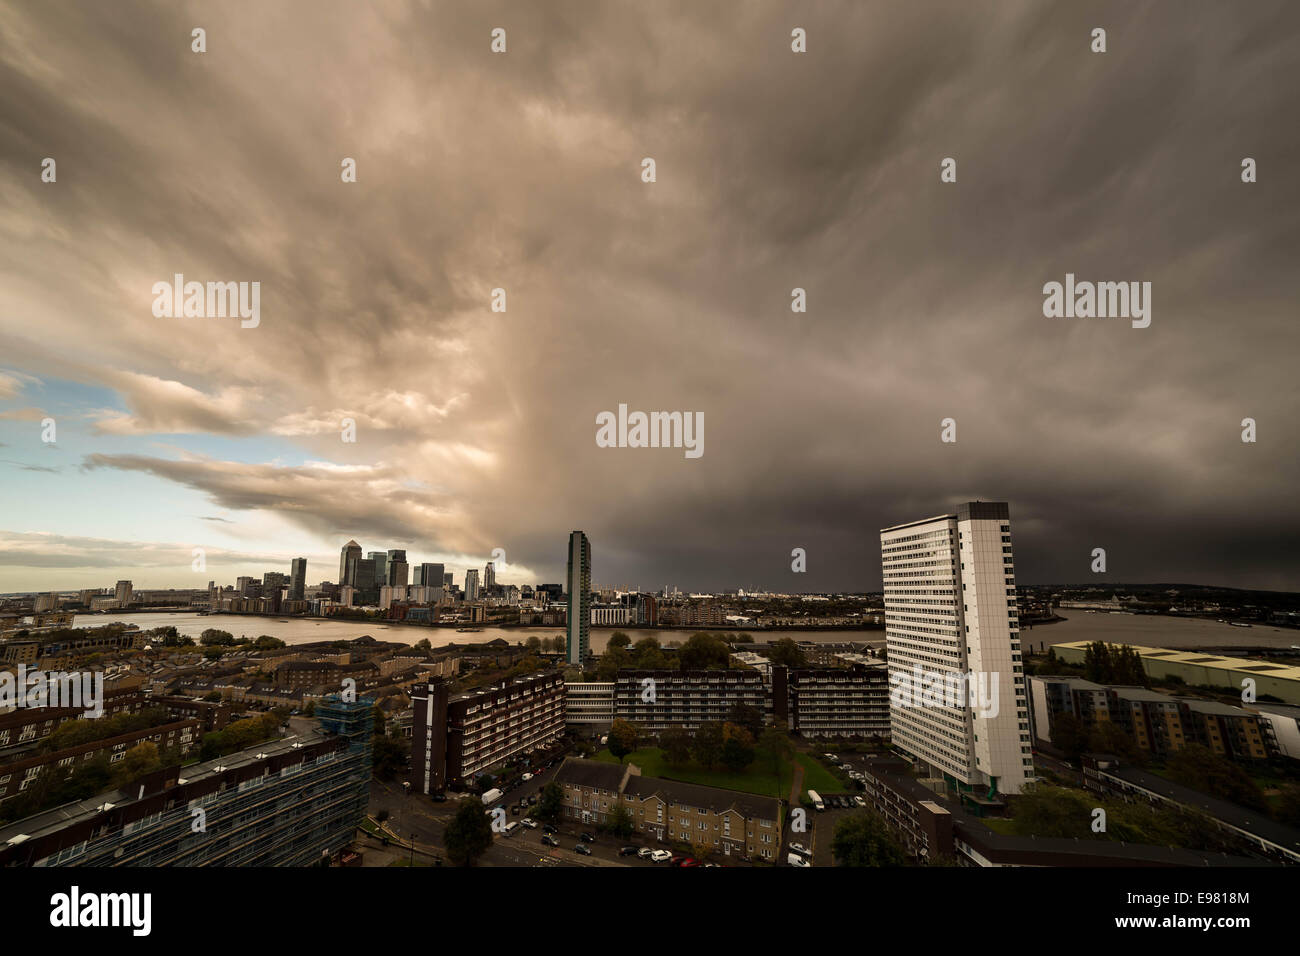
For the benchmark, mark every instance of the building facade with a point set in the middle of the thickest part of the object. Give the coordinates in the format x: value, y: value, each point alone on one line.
x: 950, y: 617
x: 578, y: 582
x: 454, y: 739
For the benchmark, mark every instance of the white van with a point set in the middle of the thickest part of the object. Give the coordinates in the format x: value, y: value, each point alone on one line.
x: 816, y: 799
x: 511, y: 828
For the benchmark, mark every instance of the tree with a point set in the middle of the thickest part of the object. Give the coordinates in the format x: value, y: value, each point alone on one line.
x: 622, y: 738
x: 533, y: 644
x: 469, y: 834
x: 213, y: 637
x: 704, y: 652
x: 779, y: 749
x: 611, y: 662
x: 621, y: 823
x: 390, y: 755
x: 1201, y: 769
x: 1069, y: 734
x: 864, y: 839
x: 648, y: 654
x: 676, y: 745
x: 620, y: 640
x: 737, y: 750
x: 747, y: 716
x: 551, y: 803
x: 707, y: 745
x: 266, y: 642
x: 1107, y: 737
x: 786, y: 653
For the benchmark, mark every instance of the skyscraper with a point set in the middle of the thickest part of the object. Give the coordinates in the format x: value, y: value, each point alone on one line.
x: 471, y: 584
x: 351, y: 553
x: 578, y: 582
x: 490, y: 575
x: 951, y: 621
x: 429, y: 575
x: 381, y: 566
x: 297, y: 579
x: 398, y: 570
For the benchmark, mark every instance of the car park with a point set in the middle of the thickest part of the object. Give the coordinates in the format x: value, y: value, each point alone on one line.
x: 583, y: 849
x: 794, y: 859
x: 661, y: 856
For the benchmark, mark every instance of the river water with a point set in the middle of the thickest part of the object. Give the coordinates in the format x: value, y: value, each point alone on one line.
x: 1150, y: 630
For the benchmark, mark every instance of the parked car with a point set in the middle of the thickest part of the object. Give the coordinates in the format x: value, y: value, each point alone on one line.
x: 587, y: 838
x: 627, y: 851
x: 550, y: 840
x: 532, y: 800
x: 794, y: 859
x: 583, y: 849
x: 549, y: 829
x: 438, y: 797
x: 858, y: 801
x: 800, y: 849
x: 661, y: 856
x: 681, y: 860
x: 832, y: 758
x: 526, y: 777
x: 645, y: 853
x: 529, y: 822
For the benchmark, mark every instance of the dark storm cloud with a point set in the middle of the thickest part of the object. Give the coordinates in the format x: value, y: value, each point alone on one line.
x: 775, y: 171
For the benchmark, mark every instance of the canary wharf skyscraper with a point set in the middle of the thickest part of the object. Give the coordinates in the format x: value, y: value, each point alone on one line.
x: 951, y: 620
x: 351, y: 552
x: 578, y: 584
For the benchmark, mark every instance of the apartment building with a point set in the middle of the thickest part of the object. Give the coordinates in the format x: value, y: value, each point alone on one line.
x: 17, y: 775
x: 721, y: 821
x: 454, y: 739
x: 833, y: 701
x: 287, y: 802
x: 659, y: 699
x: 950, y: 614
x: 589, y: 705
x: 1159, y: 724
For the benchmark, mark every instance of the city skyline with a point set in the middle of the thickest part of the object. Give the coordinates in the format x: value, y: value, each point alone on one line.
x: 474, y: 415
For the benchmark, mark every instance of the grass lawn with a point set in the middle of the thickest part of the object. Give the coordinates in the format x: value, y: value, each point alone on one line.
x: 756, y: 778
x: 817, y: 777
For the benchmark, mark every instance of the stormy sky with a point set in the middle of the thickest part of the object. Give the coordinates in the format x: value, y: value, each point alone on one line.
x: 522, y: 170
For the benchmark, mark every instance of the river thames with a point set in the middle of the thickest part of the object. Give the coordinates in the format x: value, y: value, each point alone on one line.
x: 1151, y: 630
